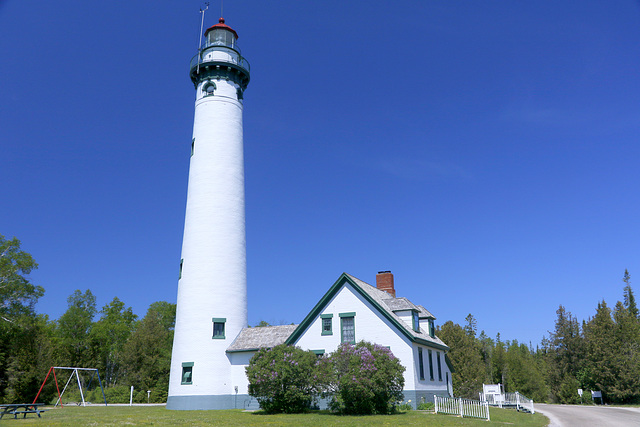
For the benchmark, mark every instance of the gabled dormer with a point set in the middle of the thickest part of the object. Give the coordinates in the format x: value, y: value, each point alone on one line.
x: 406, y: 311
x: 427, y: 321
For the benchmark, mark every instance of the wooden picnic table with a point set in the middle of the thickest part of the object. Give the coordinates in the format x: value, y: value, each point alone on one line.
x: 16, y: 409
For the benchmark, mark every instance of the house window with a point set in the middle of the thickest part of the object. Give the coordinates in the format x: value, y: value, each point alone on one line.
x: 348, y: 327
x: 430, y: 365
x: 218, y: 328
x: 416, y: 322
x: 432, y: 329
x: 439, y: 368
x: 187, y: 373
x: 327, y: 321
x: 318, y: 353
x: 421, y: 363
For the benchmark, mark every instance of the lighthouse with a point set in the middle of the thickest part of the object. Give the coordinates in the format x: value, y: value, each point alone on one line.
x: 212, y: 284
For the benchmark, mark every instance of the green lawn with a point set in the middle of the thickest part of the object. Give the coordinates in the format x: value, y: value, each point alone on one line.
x: 159, y: 416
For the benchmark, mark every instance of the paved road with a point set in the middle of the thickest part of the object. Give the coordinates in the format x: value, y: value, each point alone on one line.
x: 588, y: 416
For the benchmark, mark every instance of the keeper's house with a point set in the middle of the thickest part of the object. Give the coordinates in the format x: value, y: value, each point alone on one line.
x: 352, y: 311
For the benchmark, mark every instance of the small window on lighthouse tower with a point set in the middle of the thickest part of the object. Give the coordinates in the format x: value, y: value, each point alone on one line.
x: 187, y: 373
x: 218, y: 328
x: 208, y: 88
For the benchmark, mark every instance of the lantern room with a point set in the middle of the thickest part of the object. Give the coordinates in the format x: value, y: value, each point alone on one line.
x: 221, y: 35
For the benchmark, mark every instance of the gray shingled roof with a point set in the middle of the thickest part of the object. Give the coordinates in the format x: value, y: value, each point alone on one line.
x: 381, y: 297
x: 399, y: 304
x: 255, y: 338
x: 425, y: 314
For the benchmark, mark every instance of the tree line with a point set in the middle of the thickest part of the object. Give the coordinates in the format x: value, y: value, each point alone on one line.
x: 125, y: 349
x: 601, y: 353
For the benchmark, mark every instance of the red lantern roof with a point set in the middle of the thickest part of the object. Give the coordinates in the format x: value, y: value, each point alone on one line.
x: 221, y: 24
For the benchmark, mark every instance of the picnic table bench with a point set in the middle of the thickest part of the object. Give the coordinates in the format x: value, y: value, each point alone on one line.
x: 16, y: 409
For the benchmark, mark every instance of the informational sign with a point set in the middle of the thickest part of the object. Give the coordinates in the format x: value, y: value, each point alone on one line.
x: 492, y: 388
x: 595, y: 394
x: 580, y: 392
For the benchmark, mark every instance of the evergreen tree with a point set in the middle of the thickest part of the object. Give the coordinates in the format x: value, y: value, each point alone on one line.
x: 626, y: 388
x: 599, y: 334
x: 487, y: 346
x: 466, y: 357
x: 498, y: 363
x: 565, y: 354
x: 629, y: 299
x: 523, y: 373
x: 471, y: 328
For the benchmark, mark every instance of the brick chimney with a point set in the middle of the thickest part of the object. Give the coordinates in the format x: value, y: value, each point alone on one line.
x: 384, y: 282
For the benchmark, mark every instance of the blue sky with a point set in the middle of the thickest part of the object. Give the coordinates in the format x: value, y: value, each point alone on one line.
x: 484, y: 152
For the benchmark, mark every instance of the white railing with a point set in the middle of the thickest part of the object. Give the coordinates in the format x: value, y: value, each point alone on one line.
x: 461, y: 407
x: 525, y: 403
x: 509, y: 399
x: 492, y: 399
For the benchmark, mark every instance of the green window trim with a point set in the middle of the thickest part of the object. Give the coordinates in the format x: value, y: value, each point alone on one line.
x: 439, y: 367
x: 348, y: 327
x: 421, y: 363
x: 187, y: 373
x: 318, y: 352
x: 432, y: 329
x: 415, y: 321
x: 431, y: 365
x: 327, y: 324
x: 218, y: 328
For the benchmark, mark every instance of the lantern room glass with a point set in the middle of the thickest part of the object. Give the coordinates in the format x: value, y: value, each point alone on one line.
x: 221, y: 37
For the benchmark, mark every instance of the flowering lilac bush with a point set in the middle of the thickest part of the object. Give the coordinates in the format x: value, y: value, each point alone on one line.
x: 363, y: 379
x: 283, y: 378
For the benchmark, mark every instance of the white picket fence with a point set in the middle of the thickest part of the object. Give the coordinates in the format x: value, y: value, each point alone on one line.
x: 516, y: 399
x: 461, y: 407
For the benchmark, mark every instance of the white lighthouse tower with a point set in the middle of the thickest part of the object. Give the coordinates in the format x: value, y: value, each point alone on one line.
x: 212, y: 288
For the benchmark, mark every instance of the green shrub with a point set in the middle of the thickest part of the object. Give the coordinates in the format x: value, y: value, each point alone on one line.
x: 404, y: 407
x: 283, y: 378
x: 364, y: 379
x: 426, y: 406
x: 118, y: 394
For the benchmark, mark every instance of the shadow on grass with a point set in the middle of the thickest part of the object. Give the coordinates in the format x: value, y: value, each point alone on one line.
x: 326, y: 412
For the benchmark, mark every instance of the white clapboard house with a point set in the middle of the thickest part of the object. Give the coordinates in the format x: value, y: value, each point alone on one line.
x: 352, y: 311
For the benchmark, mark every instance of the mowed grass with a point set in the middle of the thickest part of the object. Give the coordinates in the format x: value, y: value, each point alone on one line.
x: 159, y: 416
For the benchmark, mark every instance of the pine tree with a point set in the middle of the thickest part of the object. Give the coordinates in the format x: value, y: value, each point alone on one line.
x: 599, y: 370
x: 565, y: 354
x: 629, y: 299
x: 466, y: 358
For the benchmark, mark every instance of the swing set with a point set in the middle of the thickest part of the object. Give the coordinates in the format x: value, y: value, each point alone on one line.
x: 77, y: 375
